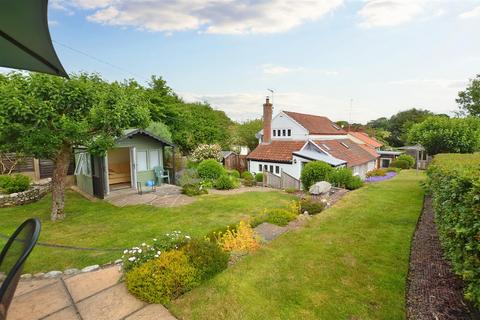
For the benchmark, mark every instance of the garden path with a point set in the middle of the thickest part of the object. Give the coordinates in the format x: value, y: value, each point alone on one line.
x: 92, y: 295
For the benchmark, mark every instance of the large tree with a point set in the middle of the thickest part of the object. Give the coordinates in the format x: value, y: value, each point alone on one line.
x: 45, y: 117
x: 469, y: 100
x: 246, y: 132
x: 441, y: 134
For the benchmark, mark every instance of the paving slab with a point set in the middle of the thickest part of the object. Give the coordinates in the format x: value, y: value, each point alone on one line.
x: 150, y: 312
x: 39, y: 303
x: 64, y: 314
x: 114, y: 303
x: 84, y: 285
x: 32, y: 284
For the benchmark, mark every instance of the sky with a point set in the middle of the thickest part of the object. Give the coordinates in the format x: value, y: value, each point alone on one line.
x: 348, y: 60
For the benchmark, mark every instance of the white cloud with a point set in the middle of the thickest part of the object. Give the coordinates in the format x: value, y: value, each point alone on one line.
x: 52, y: 23
x: 209, y: 16
x: 274, y: 70
x: 475, y: 12
x: 436, y: 82
x: 380, y: 13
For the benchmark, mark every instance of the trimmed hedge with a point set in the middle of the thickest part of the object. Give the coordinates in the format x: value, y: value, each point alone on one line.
x: 454, y: 183
x: 313, y: 172
x: 210, y: 169
x: 402, y: 164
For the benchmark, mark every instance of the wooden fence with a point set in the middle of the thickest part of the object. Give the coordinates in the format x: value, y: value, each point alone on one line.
x: 235, y: 161
x: 284, y: 181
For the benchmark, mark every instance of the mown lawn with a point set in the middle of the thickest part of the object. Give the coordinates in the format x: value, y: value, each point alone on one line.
x: 350, y: 262
x: 102, y: 225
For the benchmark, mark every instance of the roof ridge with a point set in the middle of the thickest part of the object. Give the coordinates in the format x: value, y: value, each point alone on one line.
x: 306, y: 114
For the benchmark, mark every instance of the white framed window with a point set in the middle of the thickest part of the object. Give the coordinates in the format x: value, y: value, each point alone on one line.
x: 142, y: 160
x: 265, y: 167
x: 289, y: 132
x: 284, y: 132
x: 274, y: 133
x: 154, y: 157
x: 260, y: 167
x: 277, y: 169
x: 271, y: 168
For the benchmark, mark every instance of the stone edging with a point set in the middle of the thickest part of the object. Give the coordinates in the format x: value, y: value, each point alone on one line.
x: 36, y: 192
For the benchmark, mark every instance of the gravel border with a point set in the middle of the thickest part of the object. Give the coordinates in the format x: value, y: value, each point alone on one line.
x: 433, y: 290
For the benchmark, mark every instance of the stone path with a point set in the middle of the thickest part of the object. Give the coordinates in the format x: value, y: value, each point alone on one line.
x: 93, y: 295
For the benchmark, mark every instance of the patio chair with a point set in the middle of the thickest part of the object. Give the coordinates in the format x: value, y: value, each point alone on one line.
x: 161, y: 175
x: 12, y: 259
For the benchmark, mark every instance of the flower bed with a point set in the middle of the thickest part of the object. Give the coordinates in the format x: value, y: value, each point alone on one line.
x: 389, y: 175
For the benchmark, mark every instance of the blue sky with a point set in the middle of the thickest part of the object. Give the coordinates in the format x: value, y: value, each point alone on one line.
x: 386, y: 55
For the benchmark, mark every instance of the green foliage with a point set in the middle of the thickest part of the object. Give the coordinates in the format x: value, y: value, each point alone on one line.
x: 234, y: 173
x: 469, y: 100
x: 401, y: 164
x: 355, y: 183
x: 207, y: 151
x: 408, y: 158
x: 210, y: 169
x: 313, y: 172
x: 162, y: 279
x: 444, y: 135
x: 259, y: 177
x: 278, y: 216
x: 14, y: 183
x: 194, y: 189
x: 392, y: 169
x: 291, y: 190
x: 247, y: 175
x: 454, y: 182
x: 246, y: 133
x: 161, y: 130
x: 206, y: 257
x: 189, y: 176
x: 249, y: 180
x: 376, y: 173
x: 311, y: 206
x: 341, y: 177
x: 224, y: 182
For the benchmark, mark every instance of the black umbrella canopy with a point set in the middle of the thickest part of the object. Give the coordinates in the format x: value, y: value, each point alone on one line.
x: 25, y: 41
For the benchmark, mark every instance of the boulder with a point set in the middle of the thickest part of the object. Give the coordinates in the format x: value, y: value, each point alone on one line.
x: 320, y: 188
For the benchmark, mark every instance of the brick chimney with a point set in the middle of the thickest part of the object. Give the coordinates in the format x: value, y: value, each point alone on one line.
x: 267, y: 121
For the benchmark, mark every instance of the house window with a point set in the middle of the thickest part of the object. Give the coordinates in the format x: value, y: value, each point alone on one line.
x: 274, y: 133
x: 279, y: 133
x: 385, y: 163
x: 154, y: 158
x: 271, y: 168
x: 289, y: 132
x: 142, y: 161
x: 260, y: 167
x: 265, y: 167
x: 284, y: 132
x: 277, y: 169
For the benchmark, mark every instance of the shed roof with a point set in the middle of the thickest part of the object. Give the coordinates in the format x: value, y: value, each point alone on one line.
x: 132, y: 132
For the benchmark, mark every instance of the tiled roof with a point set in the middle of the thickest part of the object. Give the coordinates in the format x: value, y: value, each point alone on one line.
x: 347, y: 150
x: 315, y: 124
x: 370, y: 150
x: 280, y: 151
x: 367, y: 139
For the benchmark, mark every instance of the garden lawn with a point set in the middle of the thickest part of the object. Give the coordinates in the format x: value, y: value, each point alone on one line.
x: 102, y: 225
x: 349, y: 262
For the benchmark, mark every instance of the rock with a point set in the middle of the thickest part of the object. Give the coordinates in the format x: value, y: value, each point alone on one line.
x: 53, y: 274
x: 39, y: 275
x: 118, y: 261
x: 26, y: 276
x: 91, y: 268
x: 69, y: 272
x: 320, y: 188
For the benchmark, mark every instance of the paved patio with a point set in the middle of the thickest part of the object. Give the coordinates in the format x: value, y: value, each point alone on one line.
x: 93, y: 295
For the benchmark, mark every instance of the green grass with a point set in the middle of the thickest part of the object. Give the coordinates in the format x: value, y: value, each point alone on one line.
x: 102, y: 225
x: 349, y: 262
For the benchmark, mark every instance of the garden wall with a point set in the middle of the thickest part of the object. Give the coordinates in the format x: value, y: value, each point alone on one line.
x: 36, y: 192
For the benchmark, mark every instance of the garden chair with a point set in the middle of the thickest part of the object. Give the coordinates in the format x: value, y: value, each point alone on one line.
x: 161, y: 175
x: 12, y: 259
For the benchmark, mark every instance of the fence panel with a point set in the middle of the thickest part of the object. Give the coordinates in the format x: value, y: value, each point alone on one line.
x: 289, y: 182
x: 272, y: 180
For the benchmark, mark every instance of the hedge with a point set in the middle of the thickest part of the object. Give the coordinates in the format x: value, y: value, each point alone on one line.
x: 454, y: 183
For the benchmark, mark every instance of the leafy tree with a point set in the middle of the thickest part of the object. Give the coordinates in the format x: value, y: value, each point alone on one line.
x: 161, y: 130
x: 45, y: 117
x: 400, y: 123
x: 246, y: 132
x: 445, y: 135
x: 469, y: 100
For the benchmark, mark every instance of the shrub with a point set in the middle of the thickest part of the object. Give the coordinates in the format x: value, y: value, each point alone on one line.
x: 247, y: 175
x: 402, y: 164
x: 249, y: 181
x: 290, y: 190
x: 313, y: 172
x: 224, y: 182
x: 259, y: 177
x: 234, y: 173
x: 341, y: 177
x: 408, y: 158
x: 377, y: 173
x: 278, y: 216
x: 207, y: 151
x: 162, y: 279
x: 355, y: 183
x: 189, y: 176
x: 392, y: 169
x: 210, y: 169
x: 137, y: 256
x: 241, y: 239
x: 454, y: 183
x: 206, y: 257
x: 311, y: 206
x: 14, y: 183
x: 215, y: 235
x: 194, y: 189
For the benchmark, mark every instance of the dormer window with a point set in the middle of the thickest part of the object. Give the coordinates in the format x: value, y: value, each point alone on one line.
x: 343, y: 144
x: 289, y: 131
x: 274, y: 133
x: 325, y: 146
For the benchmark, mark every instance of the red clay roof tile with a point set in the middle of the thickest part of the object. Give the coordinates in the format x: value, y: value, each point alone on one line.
x: 347, y: 150
x: 316, y: 124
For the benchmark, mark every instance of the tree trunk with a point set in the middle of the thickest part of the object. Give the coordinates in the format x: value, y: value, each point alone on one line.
x: 60, y: 169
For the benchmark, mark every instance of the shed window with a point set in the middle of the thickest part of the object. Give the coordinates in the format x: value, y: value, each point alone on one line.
x: 142, y: 161
x: 289, y: 132
x: 154, y: 158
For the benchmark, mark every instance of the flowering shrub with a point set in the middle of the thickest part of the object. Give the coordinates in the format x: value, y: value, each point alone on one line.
x: 138, y: 255
x: 206, y: 257
x: 241, y: 239
x: 207, y: 151
x: 376, y: 173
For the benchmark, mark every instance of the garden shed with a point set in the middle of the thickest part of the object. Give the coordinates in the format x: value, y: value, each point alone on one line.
x: 137, y: 158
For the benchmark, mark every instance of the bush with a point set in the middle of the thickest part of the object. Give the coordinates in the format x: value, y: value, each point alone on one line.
x: 194, y: 189
x: 408, y: 158
x: 249, y: 181
x: 341, y: 177
x: 224, y: 183
x: 14, y: 183
x: 162, y: 279
x: 207, y: 151
x: 259, y: 177
x: 247, y: 175
x: 291, y: 190
x: 234, y: 173
x: 241, y: 239
x: 392, y: 169
x: 377, y: 173
x: 210, y: 169
x: 206, y: 257
x: 311, y: 206
x: 189, y: 176
x: 278, y: 216
x: 355, y: 183
x: 402, y: 164
x: 454, y: 183
x: 313, y: 172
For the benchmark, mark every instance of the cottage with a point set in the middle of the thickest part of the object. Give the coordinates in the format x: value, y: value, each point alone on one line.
x: 290, y: 140
x: 137, y: 157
